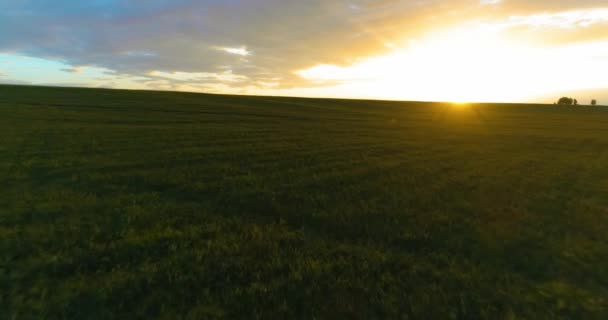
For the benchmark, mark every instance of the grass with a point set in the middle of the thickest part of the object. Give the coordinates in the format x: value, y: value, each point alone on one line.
x: 139, y: 205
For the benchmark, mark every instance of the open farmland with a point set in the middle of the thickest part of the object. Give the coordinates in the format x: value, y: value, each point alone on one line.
x: 140, y: 205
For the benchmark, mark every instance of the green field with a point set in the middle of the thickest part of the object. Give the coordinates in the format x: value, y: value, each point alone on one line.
x: 142, y: 205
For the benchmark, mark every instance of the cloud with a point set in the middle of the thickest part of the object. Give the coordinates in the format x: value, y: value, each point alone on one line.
x: 482, y: 61
x: 276, y: 36
x: 73, y: 69
x: 490, y: 2
x: 226, y: 76
x: 242, y: 51
x: 4, y: 80
x: 240, y: 44
x: 567, y: 19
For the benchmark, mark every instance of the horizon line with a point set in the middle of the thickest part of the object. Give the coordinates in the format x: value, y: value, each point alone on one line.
x: 279, y: 96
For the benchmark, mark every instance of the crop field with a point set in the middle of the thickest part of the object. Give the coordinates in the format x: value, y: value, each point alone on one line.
x: 143, y: 205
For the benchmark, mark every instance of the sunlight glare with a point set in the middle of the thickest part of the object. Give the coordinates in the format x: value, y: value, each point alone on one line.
x: 469, y: 64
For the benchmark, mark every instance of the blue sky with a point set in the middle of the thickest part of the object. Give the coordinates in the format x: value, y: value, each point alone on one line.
x: 484, y: 50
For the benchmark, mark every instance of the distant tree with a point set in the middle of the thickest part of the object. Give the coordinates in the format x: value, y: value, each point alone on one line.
x: 565, y: 101
x: 593, y: 102
x: 575, y: 102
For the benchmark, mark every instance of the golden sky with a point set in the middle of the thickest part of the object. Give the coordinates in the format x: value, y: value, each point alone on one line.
x: 456, y: 50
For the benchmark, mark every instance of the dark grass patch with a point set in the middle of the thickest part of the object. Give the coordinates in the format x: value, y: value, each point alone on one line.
x: 129, y: 204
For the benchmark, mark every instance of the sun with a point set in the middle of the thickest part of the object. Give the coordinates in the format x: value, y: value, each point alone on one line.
x: 474, y: 63
x: 462, y: 66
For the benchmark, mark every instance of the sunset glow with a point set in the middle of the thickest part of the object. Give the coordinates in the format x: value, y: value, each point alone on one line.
x: 473, y: 63
x: 441, y: 51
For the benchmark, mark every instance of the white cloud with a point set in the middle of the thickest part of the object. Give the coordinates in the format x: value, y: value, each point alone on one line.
x: 242, y: 51
x: 567, y: 19
x: 227, y: 76
x: 490, y: 2
x: 142, y: 54
x: 326, y: 72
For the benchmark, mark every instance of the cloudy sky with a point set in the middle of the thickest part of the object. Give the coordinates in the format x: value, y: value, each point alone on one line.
x: 449, y: 50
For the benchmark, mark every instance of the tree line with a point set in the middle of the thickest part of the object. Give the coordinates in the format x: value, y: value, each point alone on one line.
x: 566, y: 101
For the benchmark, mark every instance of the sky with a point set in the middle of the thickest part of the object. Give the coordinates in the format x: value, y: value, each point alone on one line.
x: 434, y: 50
